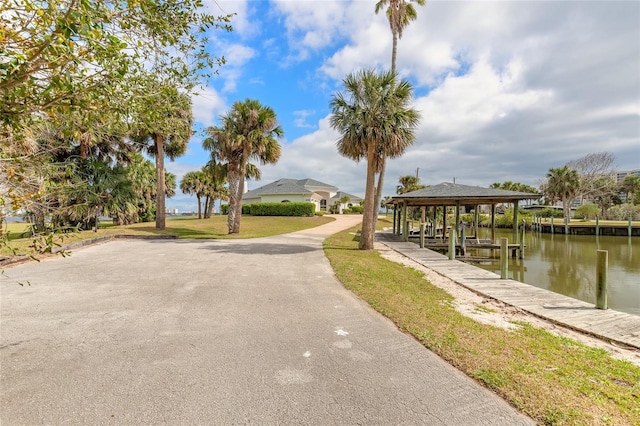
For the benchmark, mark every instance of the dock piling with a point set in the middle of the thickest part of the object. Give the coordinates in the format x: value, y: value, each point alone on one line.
x: 452, y: 245
x: 602, y: 266
x: 524, y: 224
x: 504, y: 258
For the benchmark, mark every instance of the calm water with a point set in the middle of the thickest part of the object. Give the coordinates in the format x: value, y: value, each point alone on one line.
x: 566, y: 264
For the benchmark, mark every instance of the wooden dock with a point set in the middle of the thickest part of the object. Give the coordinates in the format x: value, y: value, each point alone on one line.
x: 608, y: 325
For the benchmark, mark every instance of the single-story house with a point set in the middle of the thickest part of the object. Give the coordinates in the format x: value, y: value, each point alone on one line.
x: 297, y: 190
x: 353, y: 200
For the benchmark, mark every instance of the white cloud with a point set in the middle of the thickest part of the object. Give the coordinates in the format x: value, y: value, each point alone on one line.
x: 315, y: 156
x: 241, y: 14
x: 462, y: 105
x: 301, y: 118
x: 207, y: 106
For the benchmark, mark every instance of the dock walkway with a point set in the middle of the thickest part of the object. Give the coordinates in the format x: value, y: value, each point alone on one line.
x: 608, y: 324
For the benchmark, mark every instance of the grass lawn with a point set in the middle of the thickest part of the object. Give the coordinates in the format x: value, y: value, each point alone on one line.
x: 554, y: 380
x: 189, y: 228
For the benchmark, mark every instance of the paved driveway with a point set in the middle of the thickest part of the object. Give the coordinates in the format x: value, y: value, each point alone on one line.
x: 216, y: 332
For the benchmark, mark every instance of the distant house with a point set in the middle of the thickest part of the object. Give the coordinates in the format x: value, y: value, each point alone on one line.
x: 292, y: 190
x: 353, y: 200
x: 297, y: 190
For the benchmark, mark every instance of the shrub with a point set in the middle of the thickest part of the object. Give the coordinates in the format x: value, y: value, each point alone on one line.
x: 282, y: 209
x: 549, y: 212
x: 507, y: 218
x: 346, y: 211
x: 246, y: 209
x: 357, y: 209
x: 587, y: 211
x: 622, y: 211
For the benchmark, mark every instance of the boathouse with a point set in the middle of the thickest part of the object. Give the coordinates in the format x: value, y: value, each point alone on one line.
x: 449, y: 194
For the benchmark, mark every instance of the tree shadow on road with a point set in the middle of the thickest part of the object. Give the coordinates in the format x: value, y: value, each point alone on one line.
x: 261, y: 248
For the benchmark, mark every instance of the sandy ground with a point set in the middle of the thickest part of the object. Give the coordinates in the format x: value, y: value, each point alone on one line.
x: 496, y: 313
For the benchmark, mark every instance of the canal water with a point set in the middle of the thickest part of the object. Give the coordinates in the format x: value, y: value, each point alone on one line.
x: 566, y: 264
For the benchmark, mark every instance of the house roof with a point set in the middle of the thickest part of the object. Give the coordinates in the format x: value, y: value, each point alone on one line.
x: 288, y: 186
x: 313, y: 182
x: 448, y: 193
x: 341, y: 194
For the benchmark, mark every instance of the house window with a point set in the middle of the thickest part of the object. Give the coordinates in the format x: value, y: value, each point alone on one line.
x: 323, y: 204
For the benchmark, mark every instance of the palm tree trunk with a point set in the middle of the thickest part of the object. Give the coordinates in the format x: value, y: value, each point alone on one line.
x: 212, y: 201
x: 160, y: 214
x: 378, y: 194
x: 394, y: 52
x: 235, y: 206
x: 366, y: 236
x: 243, y: 172
x: 199, y: 207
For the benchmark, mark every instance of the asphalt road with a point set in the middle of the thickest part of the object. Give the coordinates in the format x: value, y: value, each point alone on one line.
x: 216, y: 332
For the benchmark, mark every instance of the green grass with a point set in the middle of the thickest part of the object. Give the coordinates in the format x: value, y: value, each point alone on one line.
x: 554, y: 380
x: 188, y: 228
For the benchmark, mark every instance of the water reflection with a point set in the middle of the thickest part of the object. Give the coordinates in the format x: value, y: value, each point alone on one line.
x: 566, y: 264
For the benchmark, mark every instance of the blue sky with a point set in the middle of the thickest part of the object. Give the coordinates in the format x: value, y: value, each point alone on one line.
x: 506, y: 89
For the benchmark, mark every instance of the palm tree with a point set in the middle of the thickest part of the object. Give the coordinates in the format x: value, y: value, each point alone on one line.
x: 248, y: 131
x: 399, y: 13
x: 409, y: 183
x: 374, y: 112
x: 216, y: 174
x: 192, y: 183
x: 562, y: 184
x: 162, y: 125
x: 630, y: 185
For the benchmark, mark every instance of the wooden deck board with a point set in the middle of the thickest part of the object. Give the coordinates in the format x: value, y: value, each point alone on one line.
x: 576, y: 314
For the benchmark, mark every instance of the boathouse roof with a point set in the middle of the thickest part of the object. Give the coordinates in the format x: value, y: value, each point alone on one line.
x: 447, y: 193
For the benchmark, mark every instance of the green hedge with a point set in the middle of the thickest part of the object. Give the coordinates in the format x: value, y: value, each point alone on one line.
x: 282, y: 209
x: 246, y: 209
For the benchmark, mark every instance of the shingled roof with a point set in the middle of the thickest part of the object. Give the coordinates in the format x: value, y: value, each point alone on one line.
x: 287, y: 186
x: 447, y: 193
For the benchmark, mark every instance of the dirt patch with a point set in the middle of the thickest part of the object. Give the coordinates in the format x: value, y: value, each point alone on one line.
x: 494, y: 312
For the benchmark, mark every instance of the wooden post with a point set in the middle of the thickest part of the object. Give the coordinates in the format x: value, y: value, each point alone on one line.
x: 566, y: 225
x: 602, y: 265
x: 435, y: 221
x: 452, y: 246
x: 405, y: 223
x: 504, y: 258
x: 444, y: 222
x: 463, y: 241
x: 515, y: 221
x: 422, y: 226
x: 629, y: 227
x: 493, y: 223
x: 457, y: 225
x: 476, y: 220
x: 524, y: 223
x: 552, y: 230
x: 394, y: 220
x: 597, y: 226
